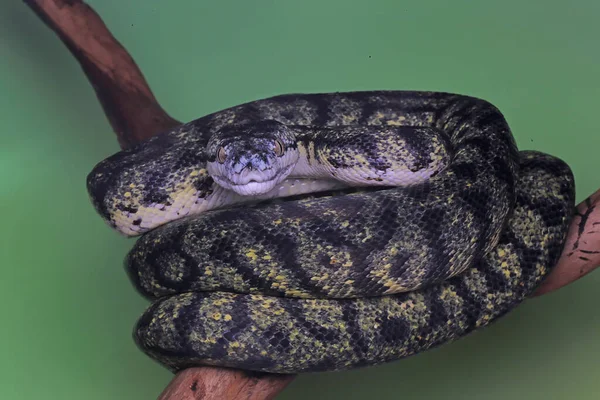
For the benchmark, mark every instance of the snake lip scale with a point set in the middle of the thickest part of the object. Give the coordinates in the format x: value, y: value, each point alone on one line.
x: 399, y: 221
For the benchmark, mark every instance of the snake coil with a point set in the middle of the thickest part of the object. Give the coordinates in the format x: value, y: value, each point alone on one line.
x: 346, y: 278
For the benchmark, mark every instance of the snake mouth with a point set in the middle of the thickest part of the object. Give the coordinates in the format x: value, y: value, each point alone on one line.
x: 253, y: 183
x: 253, y: 188
x: 250, y: 187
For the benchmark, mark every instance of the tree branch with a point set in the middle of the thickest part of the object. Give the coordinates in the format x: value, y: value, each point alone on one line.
x: 208, y: 383
x: 128, y: 103
x: 581, y: 254
x: 135, y: 115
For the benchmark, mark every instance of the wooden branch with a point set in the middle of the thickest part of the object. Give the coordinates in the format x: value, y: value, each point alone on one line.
x: 128, y: 103
x: 204, y: 383
x: 136, y: 115
x: 581, y: 254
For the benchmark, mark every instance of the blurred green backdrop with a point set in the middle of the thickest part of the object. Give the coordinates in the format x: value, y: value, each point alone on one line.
x: 67, y: 306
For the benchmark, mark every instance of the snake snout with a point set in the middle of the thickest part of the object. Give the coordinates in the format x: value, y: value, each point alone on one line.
x: 250, y: 162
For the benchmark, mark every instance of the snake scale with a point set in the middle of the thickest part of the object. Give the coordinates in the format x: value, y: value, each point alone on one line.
x: 318, y: 275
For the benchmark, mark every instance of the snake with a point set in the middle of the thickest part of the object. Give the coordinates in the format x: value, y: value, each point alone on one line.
x: 316, y: 232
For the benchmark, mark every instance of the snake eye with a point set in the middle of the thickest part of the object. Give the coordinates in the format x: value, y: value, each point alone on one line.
x: 279, y: 148
x: 221, y: 155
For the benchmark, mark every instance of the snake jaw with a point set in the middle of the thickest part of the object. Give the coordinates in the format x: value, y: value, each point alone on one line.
x: 250, y: 182
x: 254, y: 188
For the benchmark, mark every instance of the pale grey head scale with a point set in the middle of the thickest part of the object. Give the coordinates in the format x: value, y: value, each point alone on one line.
x: 252, y: 158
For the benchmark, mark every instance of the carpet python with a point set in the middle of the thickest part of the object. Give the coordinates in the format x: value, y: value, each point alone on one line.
x: 353, y: 228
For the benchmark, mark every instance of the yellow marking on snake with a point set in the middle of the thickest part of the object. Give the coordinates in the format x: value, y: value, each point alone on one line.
x: 336, y: 282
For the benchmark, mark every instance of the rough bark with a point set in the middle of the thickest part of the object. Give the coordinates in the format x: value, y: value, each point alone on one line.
x: 207, y: 383
x: 581, y: 254
x: 135, y: 115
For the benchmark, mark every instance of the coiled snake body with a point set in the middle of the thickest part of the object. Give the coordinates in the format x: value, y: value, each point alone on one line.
x: 365, y: 272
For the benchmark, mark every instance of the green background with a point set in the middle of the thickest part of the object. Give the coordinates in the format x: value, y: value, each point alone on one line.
x: 67, y: 308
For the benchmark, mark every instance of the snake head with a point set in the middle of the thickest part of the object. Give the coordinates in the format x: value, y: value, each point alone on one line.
x: 252, y: 158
